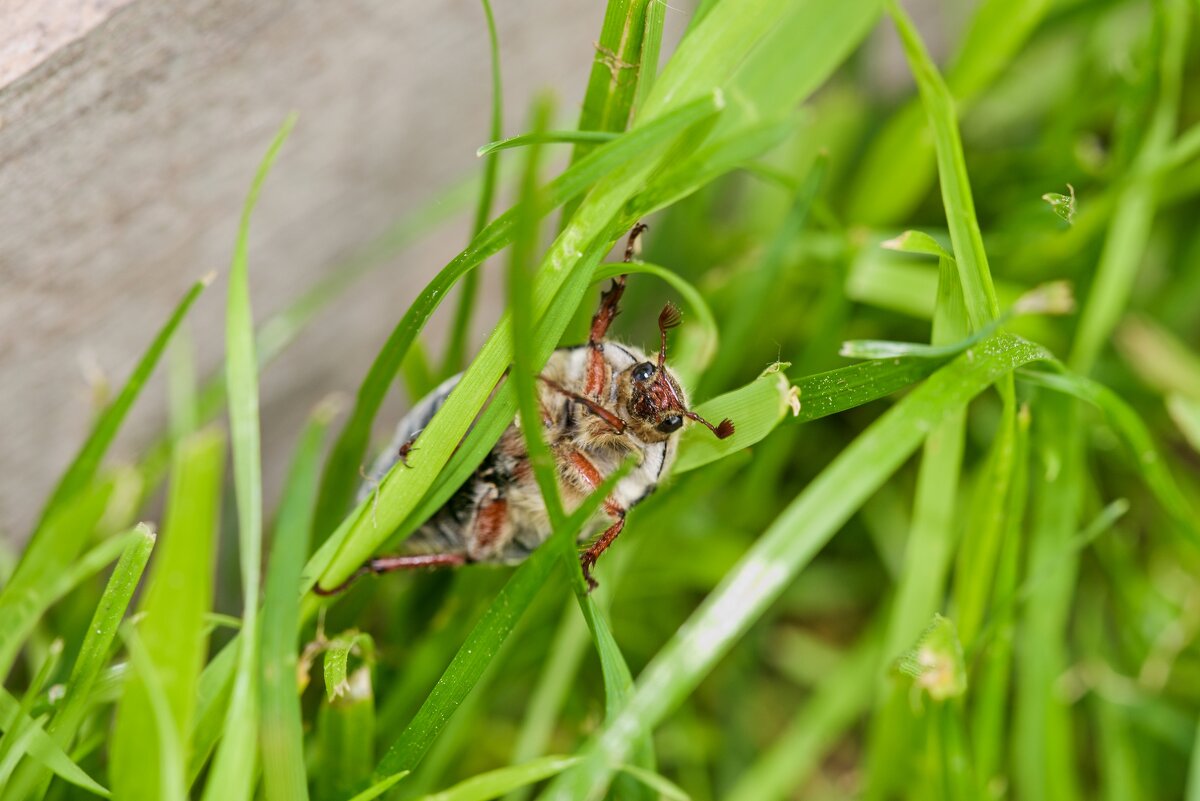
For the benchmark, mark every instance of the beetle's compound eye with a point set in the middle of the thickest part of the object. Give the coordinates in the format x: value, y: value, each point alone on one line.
x: 643, y: 371
x: 670, y: 424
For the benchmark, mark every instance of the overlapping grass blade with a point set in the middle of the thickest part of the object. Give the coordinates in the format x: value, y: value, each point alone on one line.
x: 44, y: 749
x: 93, y: 656
x: 233, y: 767
x: 172, y: 634
x: 22, y: 603
x: 282, y: 733
x: 18, y: 728
x: 927, y: 553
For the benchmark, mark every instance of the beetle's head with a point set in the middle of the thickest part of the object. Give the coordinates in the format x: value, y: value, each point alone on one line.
x: 654, y: 404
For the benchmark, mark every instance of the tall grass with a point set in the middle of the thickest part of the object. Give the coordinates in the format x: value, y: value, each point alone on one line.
x: 950, y: 552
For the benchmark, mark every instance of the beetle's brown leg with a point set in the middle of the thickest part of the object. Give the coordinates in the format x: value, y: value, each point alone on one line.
x: 587, y: 474
x: 596, y: 367
x: 388, y: 564
x: 587, y: 559
x: 614, y: 420
x: 602, y: 319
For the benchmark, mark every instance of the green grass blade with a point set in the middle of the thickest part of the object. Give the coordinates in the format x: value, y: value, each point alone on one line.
x: 496, y: 783
x: 87, y: 462
x: 341, y: 476
x: 551, y: 692
x: 46, y: 579
x: 547, y: 138
x: 1133, y: 431
x: 92, y: 658
x: 43, y: 748
x: 172, y: 633
x: 1129, y: 226
x: 233, y: 767
x: 973, y: 272
x: 379, y: 788
x: 1043, y: 736
x: 460, y: 331
x: 18, y: 728
x: 468, y: 665
x: 756, y: 409
x: 337, y: 660
x: 212, y: 700
x: 787, y: 546
x: 1186, y: 414
x: 282, y: 735
x: 346, y: 737
x: 168, y: 768
x: 927, y: 553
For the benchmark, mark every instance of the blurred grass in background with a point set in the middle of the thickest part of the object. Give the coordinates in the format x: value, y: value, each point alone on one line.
x: 926, y: 596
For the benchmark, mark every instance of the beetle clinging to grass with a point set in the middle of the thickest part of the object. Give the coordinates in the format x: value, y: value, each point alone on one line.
x: 601, y: 403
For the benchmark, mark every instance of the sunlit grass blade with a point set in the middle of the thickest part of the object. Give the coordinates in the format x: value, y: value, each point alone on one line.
x: 785, y: 548
x: 233, y: 766
x: 172, y: 632
x: 282, y: 733
x: 1186, y: 414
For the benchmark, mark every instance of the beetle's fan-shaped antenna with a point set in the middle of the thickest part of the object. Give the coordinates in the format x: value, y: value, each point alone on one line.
x: 723, y: 430
x: 668, y: 318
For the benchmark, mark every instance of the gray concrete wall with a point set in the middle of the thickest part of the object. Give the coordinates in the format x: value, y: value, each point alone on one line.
x: 129, y: 130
